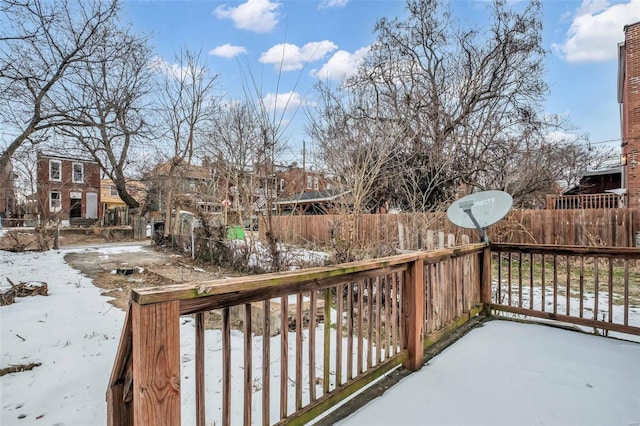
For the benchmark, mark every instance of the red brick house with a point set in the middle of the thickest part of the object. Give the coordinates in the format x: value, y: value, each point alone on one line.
x: 629, y: 99
x: 68, y: 188
x: 294, y: 180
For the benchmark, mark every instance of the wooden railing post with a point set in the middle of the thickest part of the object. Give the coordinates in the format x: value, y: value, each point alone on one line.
x: 119, y: 410
x: 485, y: 281
x: 156, y: 363
x: 413, y: 300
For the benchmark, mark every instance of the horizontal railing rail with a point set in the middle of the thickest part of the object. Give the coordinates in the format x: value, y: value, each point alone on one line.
x: 284, y: 348
x: 596, y: 287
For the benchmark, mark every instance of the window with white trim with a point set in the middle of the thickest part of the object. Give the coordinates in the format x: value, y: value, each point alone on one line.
x: 316, y: 183
x: 55, y: 170
x: 78, y: 173
x: 281, y: 185
x: 55, y: 201
x: 113, y: 191
x: 309, y: 181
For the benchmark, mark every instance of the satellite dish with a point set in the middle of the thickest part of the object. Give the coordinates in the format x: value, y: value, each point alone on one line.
x: 480, y: 210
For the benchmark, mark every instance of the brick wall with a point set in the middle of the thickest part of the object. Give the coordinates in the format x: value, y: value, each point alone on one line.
x: 66, y: 185
x: 631, y: 112
x: 295, y: 181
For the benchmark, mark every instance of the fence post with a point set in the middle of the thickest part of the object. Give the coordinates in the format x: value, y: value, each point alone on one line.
x: 485, y: 280
x: 413, y: 300
x: 156, y: 363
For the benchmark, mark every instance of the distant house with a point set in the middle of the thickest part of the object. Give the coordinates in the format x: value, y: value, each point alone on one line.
x: 597, y: 182
x: 8, y: 204
x: 598, y: 189
x: 110, y: 199
x: 293, y: 180
x: 213, y: 188
x: 311, y: 203
x: 193, y: 186
x: 68, y: 188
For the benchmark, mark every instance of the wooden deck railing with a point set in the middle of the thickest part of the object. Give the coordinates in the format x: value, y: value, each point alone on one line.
x: 301, y: 341
x: 589, y: 286
x: 606, y: 200
x: 284, y: 348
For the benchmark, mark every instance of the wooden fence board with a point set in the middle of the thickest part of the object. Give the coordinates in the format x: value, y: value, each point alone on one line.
x: 595, y: 227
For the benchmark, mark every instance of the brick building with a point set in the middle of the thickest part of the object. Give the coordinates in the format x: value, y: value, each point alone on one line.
x: 8, y: 204
x: 293, y: 180
x: 68, y: 188
x: 629, y: 99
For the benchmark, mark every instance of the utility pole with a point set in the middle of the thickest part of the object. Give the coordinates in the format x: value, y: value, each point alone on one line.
x: 304, y: 157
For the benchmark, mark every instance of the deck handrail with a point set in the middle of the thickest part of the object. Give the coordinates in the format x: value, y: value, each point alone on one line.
x: 572, y: 284
x: 391, y: 303
x: 604, y: 200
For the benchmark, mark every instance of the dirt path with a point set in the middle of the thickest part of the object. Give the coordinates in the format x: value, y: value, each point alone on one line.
x: 120, y: 272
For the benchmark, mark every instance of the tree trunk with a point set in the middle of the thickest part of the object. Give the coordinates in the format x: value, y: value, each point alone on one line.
x: 121, y: 186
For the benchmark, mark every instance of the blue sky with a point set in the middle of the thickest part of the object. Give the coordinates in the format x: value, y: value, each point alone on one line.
x: 309, y: 39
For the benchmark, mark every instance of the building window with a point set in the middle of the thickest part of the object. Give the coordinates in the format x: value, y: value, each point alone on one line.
x: 113, y: 191
x: 281, y: 185
x: 55, y: 201
x: 55, y: 170
x: 309, y: 181
x: 78, y: 173
x: 316, y: 183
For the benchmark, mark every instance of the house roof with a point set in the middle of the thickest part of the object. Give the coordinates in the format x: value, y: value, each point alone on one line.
x: 54, y: 155
x: 312, y: 197
x: 184, y: 170
x: 601, y: 172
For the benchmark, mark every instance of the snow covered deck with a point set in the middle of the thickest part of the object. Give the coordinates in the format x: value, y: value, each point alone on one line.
x: 507, y: 373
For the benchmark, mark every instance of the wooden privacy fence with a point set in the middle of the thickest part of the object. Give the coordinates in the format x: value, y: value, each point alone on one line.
x: 121, y: 216
x: 335, y: 329
x: 603, y: 227
x: 595, y: 287
x: 118, y: 216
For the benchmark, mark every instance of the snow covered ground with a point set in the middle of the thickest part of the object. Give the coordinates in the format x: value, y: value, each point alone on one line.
x: 506, y: 373
x: 588, y: 303
x: 73, y: 333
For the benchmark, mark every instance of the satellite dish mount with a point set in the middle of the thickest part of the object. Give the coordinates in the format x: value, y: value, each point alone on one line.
x: 466, y: 207
x: 480, y: 210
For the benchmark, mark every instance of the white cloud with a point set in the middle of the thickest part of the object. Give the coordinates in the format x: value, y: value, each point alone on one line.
x: 282, y: 101
x: 227, y: 51
x: 255, y: 15
x: 342, y: 64
x: 328, y: 4
x: 174, y: 70
x: 596, y: 30
x: 289, y: 57
x: 560, y: 136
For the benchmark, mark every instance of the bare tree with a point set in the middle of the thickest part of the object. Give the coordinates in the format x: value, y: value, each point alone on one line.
x: 187, y: 106
x: 465, y: 98
x: 41, y: 46
x: 235, y: 137
x: 355, y: 148
x: 113, y: 90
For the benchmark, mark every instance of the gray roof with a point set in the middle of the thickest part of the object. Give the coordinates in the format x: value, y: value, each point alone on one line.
x: 312, y: 197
